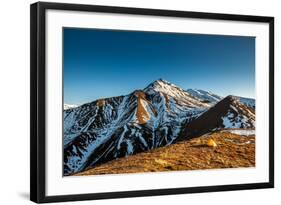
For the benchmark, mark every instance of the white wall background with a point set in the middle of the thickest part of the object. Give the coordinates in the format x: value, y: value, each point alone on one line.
x: 14, y: 102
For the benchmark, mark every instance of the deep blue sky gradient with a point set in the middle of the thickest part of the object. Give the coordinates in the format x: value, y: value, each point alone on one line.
x: 105, y: 63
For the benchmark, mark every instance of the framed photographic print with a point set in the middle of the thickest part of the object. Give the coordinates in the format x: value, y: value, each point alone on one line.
x: 129, y: 102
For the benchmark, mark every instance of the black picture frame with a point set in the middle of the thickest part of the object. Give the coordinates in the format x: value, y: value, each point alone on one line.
x: 38, y: 101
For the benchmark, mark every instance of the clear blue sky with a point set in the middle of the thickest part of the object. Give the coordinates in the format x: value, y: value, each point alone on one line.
x: 106, y: 63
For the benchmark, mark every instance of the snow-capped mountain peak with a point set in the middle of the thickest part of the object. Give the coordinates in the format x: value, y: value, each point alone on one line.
x: 160, y: 83
x: 170, y: 90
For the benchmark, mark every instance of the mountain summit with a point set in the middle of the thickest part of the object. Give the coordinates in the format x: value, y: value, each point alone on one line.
x: 168, y: 89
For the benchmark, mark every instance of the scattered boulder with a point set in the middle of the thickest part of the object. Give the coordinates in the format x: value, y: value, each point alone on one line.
x: 211, y: 143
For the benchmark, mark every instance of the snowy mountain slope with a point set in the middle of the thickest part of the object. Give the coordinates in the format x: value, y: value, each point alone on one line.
x: 228, y: 113
x: 119, y: 126
x: 249, y: 102
x: 204, y: 96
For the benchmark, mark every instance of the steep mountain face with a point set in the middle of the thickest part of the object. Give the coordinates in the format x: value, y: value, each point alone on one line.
x: 228, y: 113
x: 204, y: 96
x: 115, y: 127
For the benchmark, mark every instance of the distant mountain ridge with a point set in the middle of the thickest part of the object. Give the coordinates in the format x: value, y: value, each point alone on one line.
x: 204, y: 96
x: 249, y: 102
x: 115, y: 127
x: 69, y: 106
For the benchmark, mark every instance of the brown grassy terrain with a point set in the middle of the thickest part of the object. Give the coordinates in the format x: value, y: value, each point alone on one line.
x: 231, y: 151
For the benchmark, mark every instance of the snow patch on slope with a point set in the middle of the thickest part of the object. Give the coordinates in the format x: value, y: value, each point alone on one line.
x: 239, y: 121
x: 243, y: 132
x: 69, y: 106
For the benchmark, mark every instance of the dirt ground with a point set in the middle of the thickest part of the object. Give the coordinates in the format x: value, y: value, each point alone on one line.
x: 232, y: 151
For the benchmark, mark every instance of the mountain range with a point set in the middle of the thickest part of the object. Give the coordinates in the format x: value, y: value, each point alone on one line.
x: 158, y: 115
